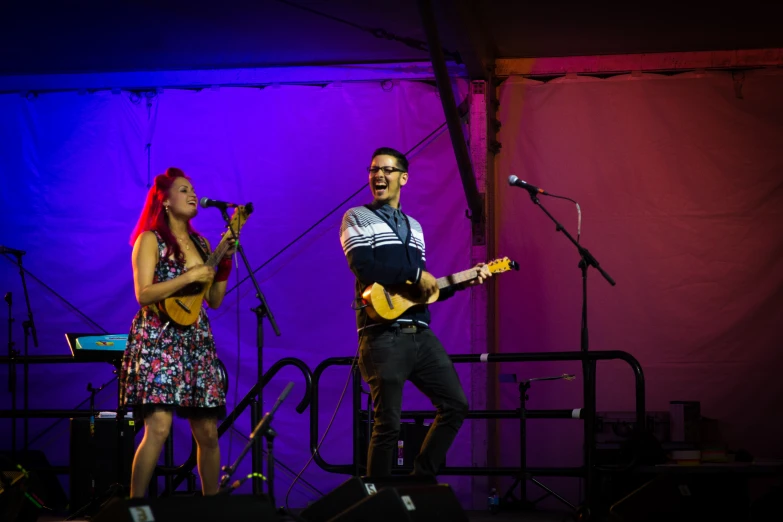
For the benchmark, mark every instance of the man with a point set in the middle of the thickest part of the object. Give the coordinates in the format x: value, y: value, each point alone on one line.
x: 385, y: 246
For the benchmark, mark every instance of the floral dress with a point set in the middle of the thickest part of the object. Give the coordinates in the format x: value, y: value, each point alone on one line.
x: 167, y: 366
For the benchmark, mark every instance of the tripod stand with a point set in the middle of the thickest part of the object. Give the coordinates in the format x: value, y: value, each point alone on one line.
x: 524, y: 387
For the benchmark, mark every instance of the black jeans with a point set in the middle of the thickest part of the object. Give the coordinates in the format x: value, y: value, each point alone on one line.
x: 387, y: 359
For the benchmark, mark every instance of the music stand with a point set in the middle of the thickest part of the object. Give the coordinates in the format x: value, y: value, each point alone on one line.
x: 98, y: 347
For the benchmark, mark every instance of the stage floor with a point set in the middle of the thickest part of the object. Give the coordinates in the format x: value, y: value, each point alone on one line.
x: 474, y: 516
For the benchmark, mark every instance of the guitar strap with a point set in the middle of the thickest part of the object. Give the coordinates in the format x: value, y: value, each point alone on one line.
x: 197, y: 241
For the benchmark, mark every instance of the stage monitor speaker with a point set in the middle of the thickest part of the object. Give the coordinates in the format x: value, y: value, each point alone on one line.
x: 96, y: 457
x: 686, y: 496
x: 354, y: 490
x: 407, y: 504
x: 234, y: 508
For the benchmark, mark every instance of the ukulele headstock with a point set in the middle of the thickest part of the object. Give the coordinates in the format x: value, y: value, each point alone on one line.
x: 503, y: 264
x: 238, y: 219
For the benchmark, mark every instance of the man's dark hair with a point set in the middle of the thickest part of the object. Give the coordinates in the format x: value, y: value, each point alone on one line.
x: 402, y: 161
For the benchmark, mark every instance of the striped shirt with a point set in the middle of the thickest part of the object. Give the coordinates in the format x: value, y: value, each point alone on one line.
x: 376, y: 254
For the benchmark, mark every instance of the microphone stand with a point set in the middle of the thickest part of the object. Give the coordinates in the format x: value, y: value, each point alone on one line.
x: 29, y: 328
x: 588, y: 367
x: 12, y: 353
x: 263, y: 428
x: 261, y: 311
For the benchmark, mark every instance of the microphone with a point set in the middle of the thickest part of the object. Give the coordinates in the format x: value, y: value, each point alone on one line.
x: 206, y: 203
x: 13, y: 251
x: 516, y: 182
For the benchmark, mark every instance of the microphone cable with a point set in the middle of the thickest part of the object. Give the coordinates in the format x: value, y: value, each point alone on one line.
x: 336, y: 409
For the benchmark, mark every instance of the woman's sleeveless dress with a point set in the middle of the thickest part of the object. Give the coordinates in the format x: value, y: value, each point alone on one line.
x: 171, y: 368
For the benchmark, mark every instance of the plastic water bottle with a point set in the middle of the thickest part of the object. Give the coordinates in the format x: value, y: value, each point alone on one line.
x: 493, y: 502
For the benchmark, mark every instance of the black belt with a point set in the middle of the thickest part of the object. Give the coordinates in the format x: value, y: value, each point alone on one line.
x: 407, y: 328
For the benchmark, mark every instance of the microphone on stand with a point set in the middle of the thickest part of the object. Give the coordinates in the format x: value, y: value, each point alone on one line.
x: 206, y: 203
x: 516, y: 182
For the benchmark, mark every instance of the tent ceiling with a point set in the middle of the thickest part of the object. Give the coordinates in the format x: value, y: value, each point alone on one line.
x: 89, y: 36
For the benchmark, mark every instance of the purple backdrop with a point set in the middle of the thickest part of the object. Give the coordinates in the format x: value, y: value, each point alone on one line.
x: 74, y: 170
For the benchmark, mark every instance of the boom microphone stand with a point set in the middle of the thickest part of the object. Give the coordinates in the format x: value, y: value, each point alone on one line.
x: 588, y: 367
x: 263, y: 428
x: 261, y: 311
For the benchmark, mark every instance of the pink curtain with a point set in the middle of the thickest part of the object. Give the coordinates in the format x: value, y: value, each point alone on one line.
x: 680, y: 184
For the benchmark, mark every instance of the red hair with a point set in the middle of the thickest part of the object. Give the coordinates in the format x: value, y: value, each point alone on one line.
x: 154, y: 217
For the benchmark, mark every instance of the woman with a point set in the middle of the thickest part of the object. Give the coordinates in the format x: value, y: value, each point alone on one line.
x: 167, y: 367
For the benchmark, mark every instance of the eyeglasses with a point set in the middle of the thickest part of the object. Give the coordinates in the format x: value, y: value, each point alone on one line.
x: 386, y: 170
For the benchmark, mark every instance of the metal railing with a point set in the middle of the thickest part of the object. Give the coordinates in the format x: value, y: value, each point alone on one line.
x: 175, y: 475
x: 521, y: 472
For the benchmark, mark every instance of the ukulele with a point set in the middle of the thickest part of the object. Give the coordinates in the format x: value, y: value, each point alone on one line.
x: 387, y: 304
x: 184, y: 307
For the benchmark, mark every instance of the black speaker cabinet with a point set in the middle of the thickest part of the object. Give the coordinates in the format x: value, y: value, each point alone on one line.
x: 97, y: 457
x: 234, y: 508
x: 407, y: 504
x: 354, y: 490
